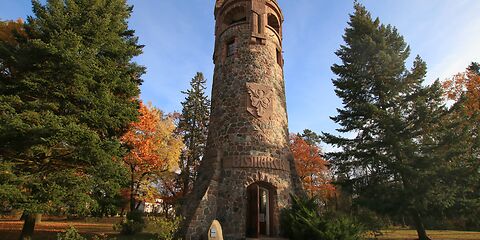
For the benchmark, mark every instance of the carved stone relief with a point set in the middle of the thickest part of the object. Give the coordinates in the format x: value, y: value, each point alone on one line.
x: 260, y: 101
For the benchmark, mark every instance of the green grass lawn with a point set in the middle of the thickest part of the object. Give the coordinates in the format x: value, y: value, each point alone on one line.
x: 434, y: 234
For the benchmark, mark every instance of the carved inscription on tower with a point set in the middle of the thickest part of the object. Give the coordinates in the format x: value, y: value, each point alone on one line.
x: 260, y: 101
x: 256, y: 162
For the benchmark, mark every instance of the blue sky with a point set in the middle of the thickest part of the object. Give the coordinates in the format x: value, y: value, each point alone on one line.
x: 178, y: 38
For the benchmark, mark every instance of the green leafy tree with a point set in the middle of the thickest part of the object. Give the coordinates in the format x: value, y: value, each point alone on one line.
x: 393, y: 161
x: 67, y: 90
x: 193, y: 125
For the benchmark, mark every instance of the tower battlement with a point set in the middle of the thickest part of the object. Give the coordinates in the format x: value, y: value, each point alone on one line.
x: 252, y: 10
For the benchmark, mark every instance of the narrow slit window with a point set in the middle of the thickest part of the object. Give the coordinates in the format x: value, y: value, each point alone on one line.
x: 231, y: 48
x: 259, y: 19
x: 279, y: 58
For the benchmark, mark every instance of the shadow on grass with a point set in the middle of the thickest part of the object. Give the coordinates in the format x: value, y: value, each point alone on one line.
x: 41, y: 235
x: 10, y: 230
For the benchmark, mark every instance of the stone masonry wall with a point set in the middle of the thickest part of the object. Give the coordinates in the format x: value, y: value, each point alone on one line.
x: 248, y: 134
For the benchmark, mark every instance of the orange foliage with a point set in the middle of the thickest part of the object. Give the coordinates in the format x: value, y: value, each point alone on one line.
x: 465, y: 84
x: 312, y: 168
x: 8, y: 29
x: 10, y: 33
x: 154, y: 149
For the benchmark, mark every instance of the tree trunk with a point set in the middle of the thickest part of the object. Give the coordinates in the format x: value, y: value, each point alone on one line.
x: 188, y: 173
x: 28, y: 226
x: 165, y: 209
x: 132, y: 189
x: 132, y: 199
x: 38, y: 218
x: 137, y: 206
x: 186, y: 176
x: 421, y: 232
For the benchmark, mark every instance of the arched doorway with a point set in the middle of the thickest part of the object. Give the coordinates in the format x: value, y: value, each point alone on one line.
x: 260, y: 209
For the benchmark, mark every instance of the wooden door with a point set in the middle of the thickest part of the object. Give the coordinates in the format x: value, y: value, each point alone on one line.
x: 252, y: 211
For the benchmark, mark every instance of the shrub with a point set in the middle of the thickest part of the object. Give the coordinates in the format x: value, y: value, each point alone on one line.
x: 102, y: 237
x: 70, y: 234
x: 343, y: 228
x: 303, y: 221
x: 372, y: 221
x: 164, y: 228
x: 134, y: 223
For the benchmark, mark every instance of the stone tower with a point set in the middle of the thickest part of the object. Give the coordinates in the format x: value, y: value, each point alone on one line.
x: 248, y: 171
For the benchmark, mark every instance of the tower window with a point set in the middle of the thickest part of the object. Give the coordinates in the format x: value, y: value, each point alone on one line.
x: 260, y: 25
x: 235, y: 15
x: 231, y: 47
x: 279, y: 58
x: 274, y: 23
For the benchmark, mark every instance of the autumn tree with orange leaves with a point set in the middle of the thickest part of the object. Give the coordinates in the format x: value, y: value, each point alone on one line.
x: 10, y: 30
x: 311, y: 166
x: 154, y: 150
x: 465, y: 87
x: 10, y: 33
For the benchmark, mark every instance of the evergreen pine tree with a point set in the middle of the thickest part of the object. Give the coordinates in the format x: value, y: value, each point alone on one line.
x: 193, y: 125
x: 67, y: 90
x: 475, y: 67
x: 392, y: 161
x: 311, y: 137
